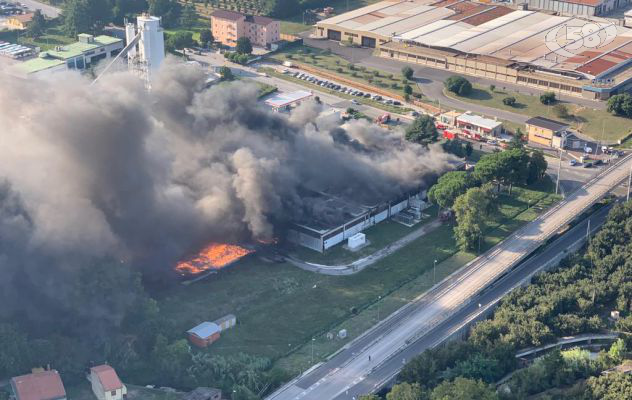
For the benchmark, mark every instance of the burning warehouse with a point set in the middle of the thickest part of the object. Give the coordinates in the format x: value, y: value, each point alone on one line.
x: 332, y: 220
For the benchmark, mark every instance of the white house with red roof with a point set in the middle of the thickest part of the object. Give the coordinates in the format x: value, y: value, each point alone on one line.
x: 106, y: 384
x: 44, y: 385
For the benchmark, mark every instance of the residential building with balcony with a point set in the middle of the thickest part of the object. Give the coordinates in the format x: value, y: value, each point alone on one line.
x: 228, y: 26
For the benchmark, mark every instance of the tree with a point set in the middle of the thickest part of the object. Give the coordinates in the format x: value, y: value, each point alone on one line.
x: 537, y: 167
x: 422, y: 130
x: 169, y: 10
x: 450, y: 186
x: 492, y: 88
x: 472, y: 210
x: 620, y: 104
x: 170, y: 360
x: 406, y: 391
x: 509, y: 101
x: 614, y: 386
x: 243, y: 45
x: 189, y: 16
x: 517, y: 141
x: 463, y: 389
x: 560, y: 110
x: 37, y: 26
x: 76, y: 17
x: 206, y: 38
x: 408, y: 89
x: 458, y: 85
x: 369, y: 397
x: 547, y: 98
x: 179, y: 40
x: 407, y: 73
x: 617, y: 351
x: 468, y: 149
x: 226, y: 73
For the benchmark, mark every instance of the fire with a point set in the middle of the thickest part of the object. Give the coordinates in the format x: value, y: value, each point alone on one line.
x: 213, y: 256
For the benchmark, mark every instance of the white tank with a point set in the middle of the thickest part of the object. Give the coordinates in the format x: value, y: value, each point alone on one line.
x: 151, y: 46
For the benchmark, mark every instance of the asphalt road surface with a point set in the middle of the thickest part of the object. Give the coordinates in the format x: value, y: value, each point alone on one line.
x: 351, y: 371
x: 47, y: 10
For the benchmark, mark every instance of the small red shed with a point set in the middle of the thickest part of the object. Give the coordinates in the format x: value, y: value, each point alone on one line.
x: 204, y: 334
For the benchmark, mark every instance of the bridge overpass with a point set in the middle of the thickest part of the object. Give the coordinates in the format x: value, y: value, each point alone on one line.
x: 451, y: 304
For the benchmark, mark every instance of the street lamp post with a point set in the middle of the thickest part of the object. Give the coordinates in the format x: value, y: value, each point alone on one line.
x: 559, y: 170
x: 313, y: 339
x: 629, y: 183
x: 378, y: 307
x: 434, y: 272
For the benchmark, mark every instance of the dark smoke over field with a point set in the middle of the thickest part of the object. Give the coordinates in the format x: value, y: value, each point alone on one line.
x: 113, y: 172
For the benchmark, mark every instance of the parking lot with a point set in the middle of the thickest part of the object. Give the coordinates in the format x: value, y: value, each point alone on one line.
x: 340, y: 88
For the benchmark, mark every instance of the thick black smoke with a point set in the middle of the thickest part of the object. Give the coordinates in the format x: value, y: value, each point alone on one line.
x: 112, y: 171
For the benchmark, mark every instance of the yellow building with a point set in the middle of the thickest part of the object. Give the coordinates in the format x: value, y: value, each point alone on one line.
x: 545, y: 131
x: 19, y: 21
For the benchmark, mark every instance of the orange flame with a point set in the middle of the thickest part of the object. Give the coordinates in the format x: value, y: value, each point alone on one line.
x: 213, y: 256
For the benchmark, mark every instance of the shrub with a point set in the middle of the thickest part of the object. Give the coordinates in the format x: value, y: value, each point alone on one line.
x: 492, y: 88
x: 408, y: 90
x: 509, y: 101
x: 407, y: 72
x: 547, y: 98
x: 458, y: 85
x: 561, y: 110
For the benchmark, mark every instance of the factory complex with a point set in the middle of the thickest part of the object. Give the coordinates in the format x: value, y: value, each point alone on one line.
x: 590, y: 58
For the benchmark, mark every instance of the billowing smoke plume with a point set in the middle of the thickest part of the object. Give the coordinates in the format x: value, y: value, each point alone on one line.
x: 113, y: 171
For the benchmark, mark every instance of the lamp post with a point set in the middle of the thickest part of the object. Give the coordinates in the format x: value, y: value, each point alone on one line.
x: 629, y: 183
x: 313, y: 339
x: 378, y: 307
x: 434, y: 272
x: 559, y: 170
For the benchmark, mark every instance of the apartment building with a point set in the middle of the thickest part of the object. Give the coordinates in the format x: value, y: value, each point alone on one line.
x: 228, y: 26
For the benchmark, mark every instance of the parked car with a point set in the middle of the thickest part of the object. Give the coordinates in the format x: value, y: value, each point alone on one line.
x: 572, y: 163
x: 588, y: 165
x: 354, y: 101
x: 598, y: 162
x: 396, y: 103
x: 416, y: 114
x: 367, y: 95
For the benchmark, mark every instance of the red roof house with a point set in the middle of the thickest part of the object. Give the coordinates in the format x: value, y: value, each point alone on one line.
x: 106, y: 383
x: 46, y: 385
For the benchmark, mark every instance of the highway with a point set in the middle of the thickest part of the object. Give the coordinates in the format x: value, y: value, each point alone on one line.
x: 427, y: 321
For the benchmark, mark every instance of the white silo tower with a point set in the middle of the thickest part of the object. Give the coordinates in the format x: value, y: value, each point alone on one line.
x: 148, y: 53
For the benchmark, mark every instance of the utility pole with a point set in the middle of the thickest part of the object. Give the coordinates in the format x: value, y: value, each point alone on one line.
x: 479, y: 243
x: 434, y: 269
x: 559, y: 170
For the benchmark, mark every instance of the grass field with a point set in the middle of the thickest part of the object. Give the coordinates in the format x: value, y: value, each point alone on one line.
x: 585, y: 120
x: 280, y: 308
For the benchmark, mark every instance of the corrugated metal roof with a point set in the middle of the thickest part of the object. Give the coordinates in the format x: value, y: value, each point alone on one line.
x: 360, y: 11
x: 205, y: 330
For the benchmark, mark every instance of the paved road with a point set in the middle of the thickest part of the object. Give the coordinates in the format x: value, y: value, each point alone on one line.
x: 351, y: 372
x: 47, y: 10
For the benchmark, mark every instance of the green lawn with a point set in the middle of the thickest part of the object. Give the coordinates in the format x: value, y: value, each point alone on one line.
x: 54, y: 37
x: 294, y: 28
x: 280, y: 307
x: 585, y: 120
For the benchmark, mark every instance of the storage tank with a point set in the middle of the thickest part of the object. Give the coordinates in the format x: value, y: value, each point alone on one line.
x: 152, y: 42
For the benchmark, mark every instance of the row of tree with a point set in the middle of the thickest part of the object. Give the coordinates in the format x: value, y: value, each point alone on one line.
x: 472, y: 196
x: 90, y: 16
x: 573, y: 299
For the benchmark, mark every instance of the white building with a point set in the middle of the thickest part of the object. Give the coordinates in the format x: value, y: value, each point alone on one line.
x: 479, y: 125
x: 628, y: 18
x: 106, y: 384
x: 148, y: 51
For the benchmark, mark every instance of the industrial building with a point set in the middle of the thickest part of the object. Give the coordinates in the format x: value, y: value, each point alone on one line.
x: 204, y: 334
x: 76, y: 56
x: 546, y: 131
x: 495, y: 42
x: 285, y: 100
x: 335, y: 219
x: 146, y: 44
x: 588, y: 8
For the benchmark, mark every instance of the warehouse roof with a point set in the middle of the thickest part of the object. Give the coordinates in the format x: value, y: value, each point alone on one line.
x: 547, y: 123
x: 205, y: 330
x: 39, y: 64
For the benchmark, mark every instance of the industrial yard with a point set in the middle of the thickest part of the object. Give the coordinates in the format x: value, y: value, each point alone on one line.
x: 493, y: 41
